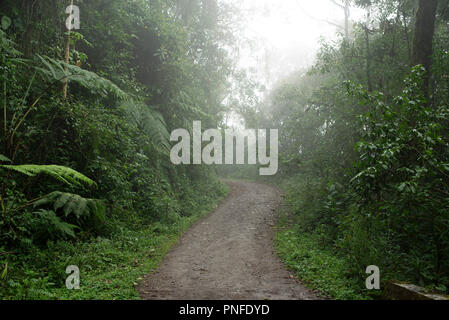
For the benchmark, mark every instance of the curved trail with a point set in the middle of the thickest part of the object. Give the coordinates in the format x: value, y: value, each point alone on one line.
x: 228, y: 255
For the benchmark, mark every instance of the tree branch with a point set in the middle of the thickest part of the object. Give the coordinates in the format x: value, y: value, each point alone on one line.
x: 338, y: 4
x: 317, y: 19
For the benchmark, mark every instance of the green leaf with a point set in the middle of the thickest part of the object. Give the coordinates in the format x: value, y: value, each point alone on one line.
x: 64, y: 228
x: 76, y: 205
x: 56, y: 70
x: 4, y: 159
x: 60, y: 173
x: 150, y: 122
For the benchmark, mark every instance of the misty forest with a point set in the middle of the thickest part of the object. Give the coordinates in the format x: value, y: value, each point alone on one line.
x: 89, y: 98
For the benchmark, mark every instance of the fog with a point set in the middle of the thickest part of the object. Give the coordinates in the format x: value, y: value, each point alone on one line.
x: 286, y: 35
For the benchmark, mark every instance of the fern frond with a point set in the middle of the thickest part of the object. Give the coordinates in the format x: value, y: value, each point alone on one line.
x: 60, y: 173
x: 66, y: 228
x: 61, y: 227
x: 75, y: 204
x: 56, y: 70
x: 60, y: 199
x: 7, y: 46
x: 183, y: 102
x: 151, y: 122
x: 4, y: 159
x: 98, y: 211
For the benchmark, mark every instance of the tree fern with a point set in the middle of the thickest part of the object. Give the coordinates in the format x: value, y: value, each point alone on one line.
x: 60, y: 173
x: 151, y: 122
x: 187, y: 106
x: 56, y: 70
x: 73, y: 204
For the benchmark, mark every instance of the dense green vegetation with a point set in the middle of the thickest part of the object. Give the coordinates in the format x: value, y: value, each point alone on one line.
x: 86, y: 177
x: 85, y: 122
x: 365, y: 151
x: 316, y: 264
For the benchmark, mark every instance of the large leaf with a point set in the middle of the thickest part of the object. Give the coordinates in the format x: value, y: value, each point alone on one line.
x: 59, y: 226
x: 4, y: 159
x: 151, y: 122
x: 56, y: 70
x: 60, y: 173
x: 73, y: 204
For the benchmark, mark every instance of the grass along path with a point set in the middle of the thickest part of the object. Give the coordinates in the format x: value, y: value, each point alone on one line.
x: 319, y: 268
x: 110, y: 268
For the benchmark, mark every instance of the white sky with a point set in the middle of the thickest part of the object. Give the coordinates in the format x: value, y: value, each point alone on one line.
x: 289, y: 33
x: 285, y: 37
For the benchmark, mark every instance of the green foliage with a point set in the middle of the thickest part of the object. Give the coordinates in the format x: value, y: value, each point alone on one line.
x: 318, y: 267
x: 63, y: 174
x: 4, y: 159
x: 110, y: 266
x: 59, y: 71
x: 151, y: 123
x: 366, y: 173
x: 71, y: 204
x: 403, y: 175
x: 47, y: 222
x: 136, y: 71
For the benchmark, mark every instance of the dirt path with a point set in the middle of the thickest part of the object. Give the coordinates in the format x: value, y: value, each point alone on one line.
x: 228, y: 255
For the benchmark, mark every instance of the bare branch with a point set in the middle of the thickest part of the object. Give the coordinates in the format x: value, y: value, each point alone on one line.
x: 317, y: 19
x: 338, y: 4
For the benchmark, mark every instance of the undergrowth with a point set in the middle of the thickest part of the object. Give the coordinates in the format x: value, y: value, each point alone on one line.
x: 318, y: 267
x: 110, y: 267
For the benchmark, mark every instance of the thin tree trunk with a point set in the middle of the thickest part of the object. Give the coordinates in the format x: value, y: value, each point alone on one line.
x: 346, y: 7
x: 66, y: 57
x: 368, y: 50
x: 423, y: 37
x: 407, y: 37
x: 347, y: 10
x: 368, y: 60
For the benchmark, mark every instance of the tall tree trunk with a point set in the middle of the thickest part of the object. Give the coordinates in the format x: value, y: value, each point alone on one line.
x: 210, y: 12
x: 66, y: 57
x: 345, y: 5
x: 347, y: 10
x: 423, y: 37
x: 407, y: 36
x: 368, y: 50
x: 368, y: 60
